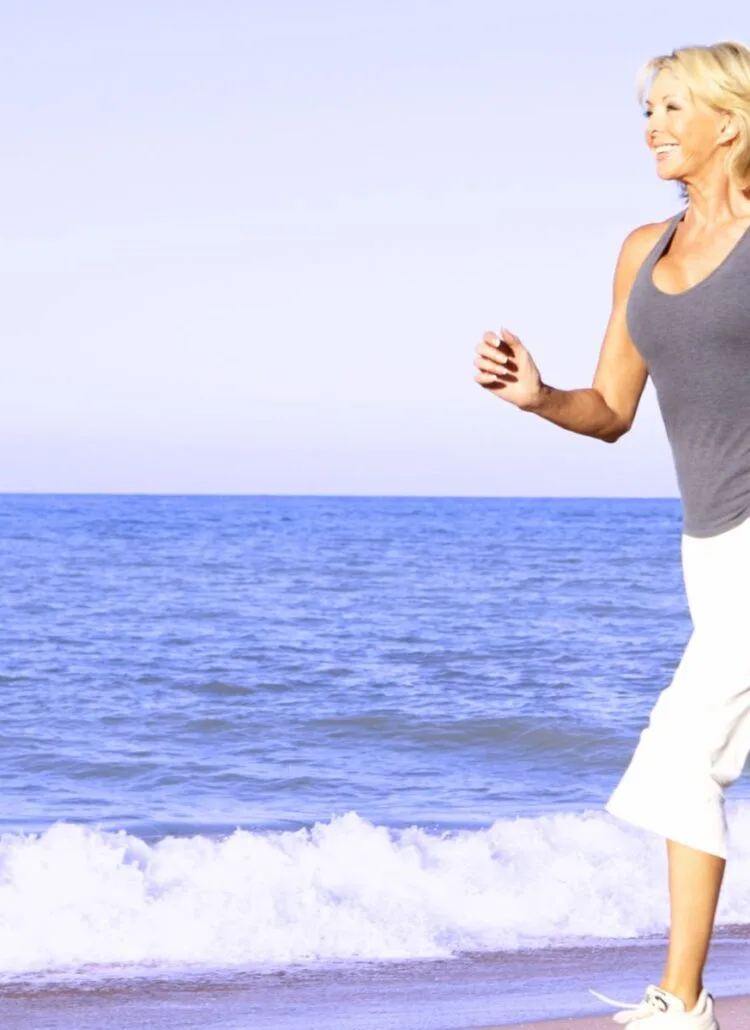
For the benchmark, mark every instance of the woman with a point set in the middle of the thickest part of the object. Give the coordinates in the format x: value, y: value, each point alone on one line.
x: 681, y: 313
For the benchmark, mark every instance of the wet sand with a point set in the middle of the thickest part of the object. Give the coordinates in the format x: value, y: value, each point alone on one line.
x: 212, y: 1010
x: 513, y: 991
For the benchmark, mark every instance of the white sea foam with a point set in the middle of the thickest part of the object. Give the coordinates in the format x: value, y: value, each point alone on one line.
x: 73, y: 896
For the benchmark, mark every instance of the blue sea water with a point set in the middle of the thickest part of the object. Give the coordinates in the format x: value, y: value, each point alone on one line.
x: 259, y: 731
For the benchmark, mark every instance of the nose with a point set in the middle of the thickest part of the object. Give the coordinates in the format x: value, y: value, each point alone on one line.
x: 653, y: 131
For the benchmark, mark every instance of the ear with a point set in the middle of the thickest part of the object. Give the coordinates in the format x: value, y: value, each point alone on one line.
x: 729, y: 128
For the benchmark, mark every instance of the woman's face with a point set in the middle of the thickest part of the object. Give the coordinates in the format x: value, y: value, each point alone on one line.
x: 682, y: 132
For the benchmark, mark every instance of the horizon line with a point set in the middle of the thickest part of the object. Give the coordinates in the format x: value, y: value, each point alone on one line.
x: 478, y: 497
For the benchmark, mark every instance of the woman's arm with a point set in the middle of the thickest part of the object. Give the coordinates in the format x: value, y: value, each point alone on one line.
x: 607, y: 409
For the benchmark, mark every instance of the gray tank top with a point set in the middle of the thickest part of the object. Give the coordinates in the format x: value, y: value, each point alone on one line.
x: 696, y: 345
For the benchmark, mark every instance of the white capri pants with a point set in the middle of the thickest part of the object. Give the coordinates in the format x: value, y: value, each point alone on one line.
x: 698, y: 734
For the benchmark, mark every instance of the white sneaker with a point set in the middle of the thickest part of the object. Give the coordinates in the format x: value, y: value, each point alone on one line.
x: 660, y: 1010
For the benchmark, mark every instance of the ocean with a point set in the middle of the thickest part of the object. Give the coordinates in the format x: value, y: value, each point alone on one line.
x: 333, y: 760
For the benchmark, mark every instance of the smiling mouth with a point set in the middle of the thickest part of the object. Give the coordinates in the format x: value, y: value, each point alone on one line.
x: 665, y: 148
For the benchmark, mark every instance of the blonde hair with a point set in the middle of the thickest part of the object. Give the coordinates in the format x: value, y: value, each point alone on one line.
x: 719, y: 75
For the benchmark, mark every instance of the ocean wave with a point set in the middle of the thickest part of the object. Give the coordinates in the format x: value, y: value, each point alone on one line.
x: 75, y: 896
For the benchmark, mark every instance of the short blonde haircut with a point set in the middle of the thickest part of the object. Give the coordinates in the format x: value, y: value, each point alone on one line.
x: 719, y: 75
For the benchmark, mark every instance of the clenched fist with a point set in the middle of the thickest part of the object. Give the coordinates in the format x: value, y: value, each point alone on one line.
x: 507, y: 369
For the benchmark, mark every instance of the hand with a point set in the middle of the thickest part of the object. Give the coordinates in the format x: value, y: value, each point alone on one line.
x: 507, y: 369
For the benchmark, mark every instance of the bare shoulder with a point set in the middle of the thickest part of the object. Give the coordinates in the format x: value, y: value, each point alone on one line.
x: 640, y: 241
x: 634, y: 251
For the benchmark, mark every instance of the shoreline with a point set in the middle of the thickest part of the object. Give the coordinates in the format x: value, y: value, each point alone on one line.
x: 526, y: 990
x: 186, y: 1010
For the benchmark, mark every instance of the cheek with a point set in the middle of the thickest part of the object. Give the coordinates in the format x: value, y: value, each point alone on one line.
x: 693, y: 145
x: 695, y: 134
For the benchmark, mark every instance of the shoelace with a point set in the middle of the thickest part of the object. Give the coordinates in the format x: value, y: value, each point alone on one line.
x: 641, y: 1008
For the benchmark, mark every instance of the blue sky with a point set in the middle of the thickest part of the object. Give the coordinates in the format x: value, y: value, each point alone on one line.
x: 249, y: 247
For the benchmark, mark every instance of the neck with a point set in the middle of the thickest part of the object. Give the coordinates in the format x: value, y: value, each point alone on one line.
x: 713, y: 199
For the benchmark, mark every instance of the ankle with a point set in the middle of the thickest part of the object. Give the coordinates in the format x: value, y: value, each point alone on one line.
x: 688, y: 994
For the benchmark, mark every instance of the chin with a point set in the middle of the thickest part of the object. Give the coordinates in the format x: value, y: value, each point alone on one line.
x: 670, y: 174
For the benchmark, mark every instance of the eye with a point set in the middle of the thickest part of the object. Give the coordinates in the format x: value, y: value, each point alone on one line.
x: 647, y: 113
x: 672, y: 107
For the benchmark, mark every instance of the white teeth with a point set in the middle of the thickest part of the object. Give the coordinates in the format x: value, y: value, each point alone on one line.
x: 664, y: 148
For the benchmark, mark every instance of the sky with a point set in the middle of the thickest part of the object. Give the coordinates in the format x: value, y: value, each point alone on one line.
x: 249, y: 248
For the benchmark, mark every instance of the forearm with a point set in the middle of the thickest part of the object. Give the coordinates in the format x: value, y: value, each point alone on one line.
x: 581, y: 411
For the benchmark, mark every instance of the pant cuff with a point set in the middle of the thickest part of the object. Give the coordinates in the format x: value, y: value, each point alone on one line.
x: 697, y: 822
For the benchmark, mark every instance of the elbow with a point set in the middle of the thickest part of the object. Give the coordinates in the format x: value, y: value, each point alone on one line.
x: 613, y: 434
x: 616, y: 415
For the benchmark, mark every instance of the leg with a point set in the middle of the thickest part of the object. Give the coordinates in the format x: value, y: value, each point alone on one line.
x: 694, y: 883
x: 694, y: 747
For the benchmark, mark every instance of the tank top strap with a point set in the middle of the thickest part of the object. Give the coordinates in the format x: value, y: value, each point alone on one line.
x: 664, y: 240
